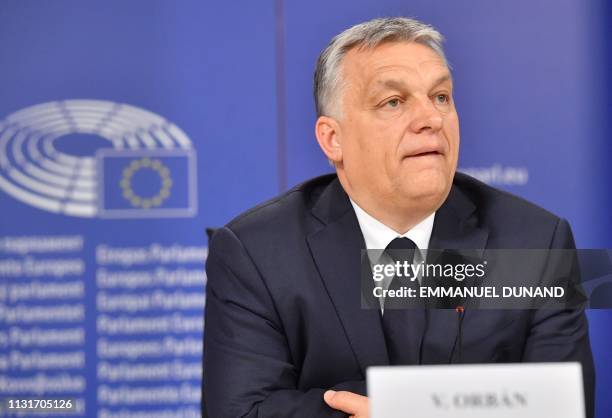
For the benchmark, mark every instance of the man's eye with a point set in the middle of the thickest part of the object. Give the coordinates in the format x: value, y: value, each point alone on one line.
x: 393, y: 103
x: 442, y: 98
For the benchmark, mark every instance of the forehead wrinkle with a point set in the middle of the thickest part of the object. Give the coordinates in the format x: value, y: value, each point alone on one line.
x: 399, y: 84
x: 401, y: 76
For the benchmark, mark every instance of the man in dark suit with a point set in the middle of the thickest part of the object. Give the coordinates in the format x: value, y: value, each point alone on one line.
x: 285, y: 333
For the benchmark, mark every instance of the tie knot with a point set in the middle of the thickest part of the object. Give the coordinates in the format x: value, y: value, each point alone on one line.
x: 401, y: 249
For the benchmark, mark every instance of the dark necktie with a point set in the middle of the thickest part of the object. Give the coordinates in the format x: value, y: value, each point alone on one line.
x: 397, y: 316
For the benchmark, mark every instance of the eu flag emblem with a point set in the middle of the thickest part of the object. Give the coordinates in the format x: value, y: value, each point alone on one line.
x: 156, y: 183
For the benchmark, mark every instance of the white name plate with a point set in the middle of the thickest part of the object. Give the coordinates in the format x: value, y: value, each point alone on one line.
x: 526, y: 390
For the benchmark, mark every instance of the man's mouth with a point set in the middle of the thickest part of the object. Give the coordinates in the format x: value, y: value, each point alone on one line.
x: 422, y: 154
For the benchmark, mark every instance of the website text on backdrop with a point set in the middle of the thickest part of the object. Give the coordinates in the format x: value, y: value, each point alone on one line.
x: 285, y: 332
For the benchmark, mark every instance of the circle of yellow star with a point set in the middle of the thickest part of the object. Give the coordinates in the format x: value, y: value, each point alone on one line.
x: 146, y: 163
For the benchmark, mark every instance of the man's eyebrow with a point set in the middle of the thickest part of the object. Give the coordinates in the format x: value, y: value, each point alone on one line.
x: 442, y: 79
x: 393, y: 84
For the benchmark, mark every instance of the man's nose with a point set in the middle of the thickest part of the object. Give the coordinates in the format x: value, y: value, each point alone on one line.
x: 425, y: 116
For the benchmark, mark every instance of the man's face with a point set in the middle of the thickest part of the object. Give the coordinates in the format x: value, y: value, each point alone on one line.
x: 398, y: 129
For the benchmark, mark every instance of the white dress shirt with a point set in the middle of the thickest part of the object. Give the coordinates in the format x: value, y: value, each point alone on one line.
x: 377, y: 236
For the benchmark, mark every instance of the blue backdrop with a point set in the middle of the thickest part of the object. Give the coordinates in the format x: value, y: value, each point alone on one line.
x: 126, y: 128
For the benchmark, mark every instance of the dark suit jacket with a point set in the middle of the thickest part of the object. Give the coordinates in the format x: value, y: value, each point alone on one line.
x: 283, y: 316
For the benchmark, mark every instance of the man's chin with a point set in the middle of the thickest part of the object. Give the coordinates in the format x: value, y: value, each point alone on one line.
x: 427, y: 188
x: 429, y: 180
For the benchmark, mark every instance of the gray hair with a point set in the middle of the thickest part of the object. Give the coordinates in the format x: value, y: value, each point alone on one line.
x: 368, y: 35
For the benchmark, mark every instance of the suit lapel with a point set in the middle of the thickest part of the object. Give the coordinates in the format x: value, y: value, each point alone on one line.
x: 336, y: 249
x: 455, y: 227
x: 456, y: 224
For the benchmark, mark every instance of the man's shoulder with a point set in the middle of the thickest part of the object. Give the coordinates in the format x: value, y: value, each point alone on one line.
x: 504, y: 212
x: 488, y: 198
x: 289, y: 208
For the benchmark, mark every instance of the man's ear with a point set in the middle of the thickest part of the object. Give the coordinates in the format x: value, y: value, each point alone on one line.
x: 327, y: 131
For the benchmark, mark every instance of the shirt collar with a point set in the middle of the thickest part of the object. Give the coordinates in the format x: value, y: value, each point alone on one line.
x: 378, y: 235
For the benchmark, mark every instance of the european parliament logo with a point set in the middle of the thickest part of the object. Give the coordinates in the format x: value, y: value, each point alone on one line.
x: 94, y: 158
x: 150, y: 183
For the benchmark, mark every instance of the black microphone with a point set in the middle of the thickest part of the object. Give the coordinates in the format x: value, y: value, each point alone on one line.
x: 458, y: 342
